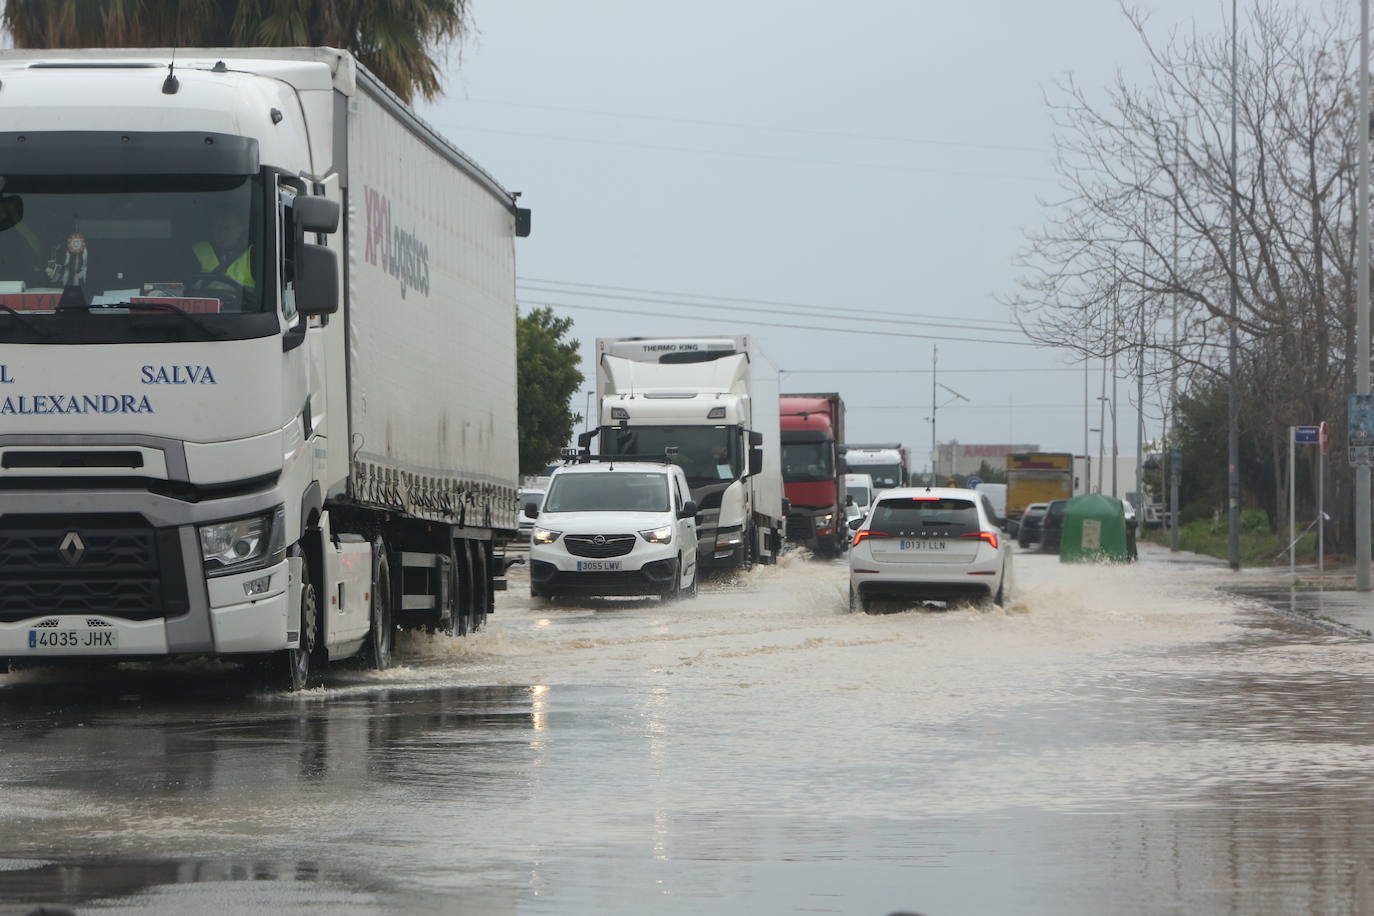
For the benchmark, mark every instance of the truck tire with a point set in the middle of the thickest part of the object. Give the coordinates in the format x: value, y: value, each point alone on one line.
x: 458, y: 587
x: 291, y: 669
x: 381, y: 631
x: 481, y: 585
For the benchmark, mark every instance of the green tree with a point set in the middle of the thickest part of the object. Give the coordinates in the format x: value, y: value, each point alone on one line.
x: 398, y: 40
x: 547, y: 375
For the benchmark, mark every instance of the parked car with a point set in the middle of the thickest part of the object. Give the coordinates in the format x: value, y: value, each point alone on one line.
x: 1029, y: 531
x: 929, y: 543
x: 622, y: 528
x: 531, y: 501
x: 1052, y: 526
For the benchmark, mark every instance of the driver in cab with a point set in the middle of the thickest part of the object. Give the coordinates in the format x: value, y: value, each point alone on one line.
x: 226, y: 258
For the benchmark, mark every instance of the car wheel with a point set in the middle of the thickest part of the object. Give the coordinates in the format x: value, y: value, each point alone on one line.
x: 857, y: 602
x: 999, y: 599
x: 674, y: 591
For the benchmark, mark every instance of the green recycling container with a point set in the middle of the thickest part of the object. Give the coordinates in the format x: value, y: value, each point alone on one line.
x: 1095, y: 531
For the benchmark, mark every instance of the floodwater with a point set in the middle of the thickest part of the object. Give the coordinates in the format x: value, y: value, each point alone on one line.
x: 1124, y: 740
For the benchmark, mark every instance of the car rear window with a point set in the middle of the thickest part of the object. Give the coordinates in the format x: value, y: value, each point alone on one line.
x: 909, y: 515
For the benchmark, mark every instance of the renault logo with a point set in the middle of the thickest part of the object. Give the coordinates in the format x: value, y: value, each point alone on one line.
x: 72, y: 548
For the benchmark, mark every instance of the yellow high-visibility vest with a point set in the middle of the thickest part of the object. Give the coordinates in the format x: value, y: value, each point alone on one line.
x: 240, y: 271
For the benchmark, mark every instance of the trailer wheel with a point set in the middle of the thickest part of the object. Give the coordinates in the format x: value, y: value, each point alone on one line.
x: 458, y: 620
x: 289, y: 669
x: 481, y: 585
x: 381, y: 628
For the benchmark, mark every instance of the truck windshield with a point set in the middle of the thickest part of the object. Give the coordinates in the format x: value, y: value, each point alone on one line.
x: 608, y: 492
x: 807, y: 461
x: 706, y: 454
x: 194, y: 242
x: 885, y: 476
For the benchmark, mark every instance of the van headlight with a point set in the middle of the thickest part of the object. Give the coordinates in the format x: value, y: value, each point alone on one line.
x: 662, y: 535
x: 544, y: 536
x: 244, y: 543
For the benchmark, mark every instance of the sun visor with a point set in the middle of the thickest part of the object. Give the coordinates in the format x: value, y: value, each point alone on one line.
x: 77, y: 152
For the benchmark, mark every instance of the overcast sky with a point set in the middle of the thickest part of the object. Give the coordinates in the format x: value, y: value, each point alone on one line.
x: 801, y: 166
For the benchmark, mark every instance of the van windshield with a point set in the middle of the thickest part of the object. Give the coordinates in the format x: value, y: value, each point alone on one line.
x: 608, y: 492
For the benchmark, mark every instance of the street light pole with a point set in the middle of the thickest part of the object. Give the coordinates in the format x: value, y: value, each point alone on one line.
x: 1362, y: 534
x: 1233, y: 390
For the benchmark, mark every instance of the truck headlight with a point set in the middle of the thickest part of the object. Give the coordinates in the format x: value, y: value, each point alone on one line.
x: 544, y: 535
x: 730, y: 537
x: 244, y: 543
x: 823, y: 521
x: 662, y: 535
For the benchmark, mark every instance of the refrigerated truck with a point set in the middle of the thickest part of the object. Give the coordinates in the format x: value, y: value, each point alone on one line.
x: 813, y: 468
x: 715, y: 401
x: 887, y: 463
x: 280, y: 449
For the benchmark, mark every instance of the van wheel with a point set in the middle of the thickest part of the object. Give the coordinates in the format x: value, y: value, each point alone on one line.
x: 377, y: 649
x: 691, y: 590
x: 674, y: 590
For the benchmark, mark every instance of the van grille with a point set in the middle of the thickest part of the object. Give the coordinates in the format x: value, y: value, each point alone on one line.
x: 599, y: 546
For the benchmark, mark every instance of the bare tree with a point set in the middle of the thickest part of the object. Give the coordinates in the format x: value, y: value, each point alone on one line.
x: 1142, y: 224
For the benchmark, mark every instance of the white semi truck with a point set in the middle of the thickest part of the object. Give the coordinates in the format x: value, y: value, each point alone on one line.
x: 716, y: 401
x: 257, y: 361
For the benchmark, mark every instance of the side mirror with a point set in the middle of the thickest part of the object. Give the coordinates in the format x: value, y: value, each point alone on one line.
x: 841, y: 466
x: 755, y: 461
x: 531, y: 510
x: 317, y: 214
x: 688, y: 510
x: 849, y: 500
x: 317, y: 280
x: 584, y: 440
x: 856, y: 523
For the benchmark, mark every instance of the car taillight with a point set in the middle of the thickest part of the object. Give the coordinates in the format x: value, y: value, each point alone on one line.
x: 861, y: 534
x: 988, y: 536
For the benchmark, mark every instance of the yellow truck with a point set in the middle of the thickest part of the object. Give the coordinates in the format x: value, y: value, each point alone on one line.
x: 1037, y: 477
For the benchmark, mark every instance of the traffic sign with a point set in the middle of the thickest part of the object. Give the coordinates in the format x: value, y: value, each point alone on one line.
x: 1306, y: 435
x: 1324, y: 437
x: 1360, y: 455
x: 973, y: 482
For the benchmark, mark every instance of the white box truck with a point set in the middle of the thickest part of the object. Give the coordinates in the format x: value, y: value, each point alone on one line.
x: 257, y: 361
x: 716, y: 401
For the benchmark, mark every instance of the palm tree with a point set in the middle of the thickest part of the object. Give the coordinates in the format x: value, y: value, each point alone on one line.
x: 398, y: 40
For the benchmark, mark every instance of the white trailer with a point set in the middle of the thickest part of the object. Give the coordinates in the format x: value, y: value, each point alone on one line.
x: 716, y: 401
x: 257, y: 361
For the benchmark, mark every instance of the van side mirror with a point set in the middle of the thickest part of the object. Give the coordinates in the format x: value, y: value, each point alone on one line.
x: 531, y: 510
x: 688, y: 510
x: 856, y: 523
x: 317, y: 280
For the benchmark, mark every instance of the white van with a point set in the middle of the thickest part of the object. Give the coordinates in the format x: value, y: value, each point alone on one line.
x: 997, y: 495
x: 858, y: 489
x: 615, y: 528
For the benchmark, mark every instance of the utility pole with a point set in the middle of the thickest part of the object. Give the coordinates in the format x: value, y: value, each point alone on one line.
x: 1233, y: 390
x: 1172, y: 439
x: 934, y: 359
x: 1362, y: 533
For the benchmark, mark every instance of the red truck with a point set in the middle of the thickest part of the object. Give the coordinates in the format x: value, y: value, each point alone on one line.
x: 813, y: 471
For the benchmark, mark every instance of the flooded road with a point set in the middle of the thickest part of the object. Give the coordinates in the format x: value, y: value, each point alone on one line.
x: 1115, y: 740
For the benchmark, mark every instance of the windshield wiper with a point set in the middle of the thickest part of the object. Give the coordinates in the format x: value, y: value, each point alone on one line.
x: 135, y: 307
x: 25, y: 320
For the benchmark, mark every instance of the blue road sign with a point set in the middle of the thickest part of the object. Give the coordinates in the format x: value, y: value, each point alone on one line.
x: 1306, y: 435
x: 973, y: 482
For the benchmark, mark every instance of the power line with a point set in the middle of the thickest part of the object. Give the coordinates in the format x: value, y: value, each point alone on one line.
x: 775, y: 324
x: 767, y: 311
x: 827, y: 310
x: 456, y: 129
x: 763, y: 127
x: 966, y: 406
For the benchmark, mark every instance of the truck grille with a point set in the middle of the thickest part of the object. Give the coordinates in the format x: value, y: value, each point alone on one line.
x: 599, y: 546
x: 109, y: 565
x: 798, y: 528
